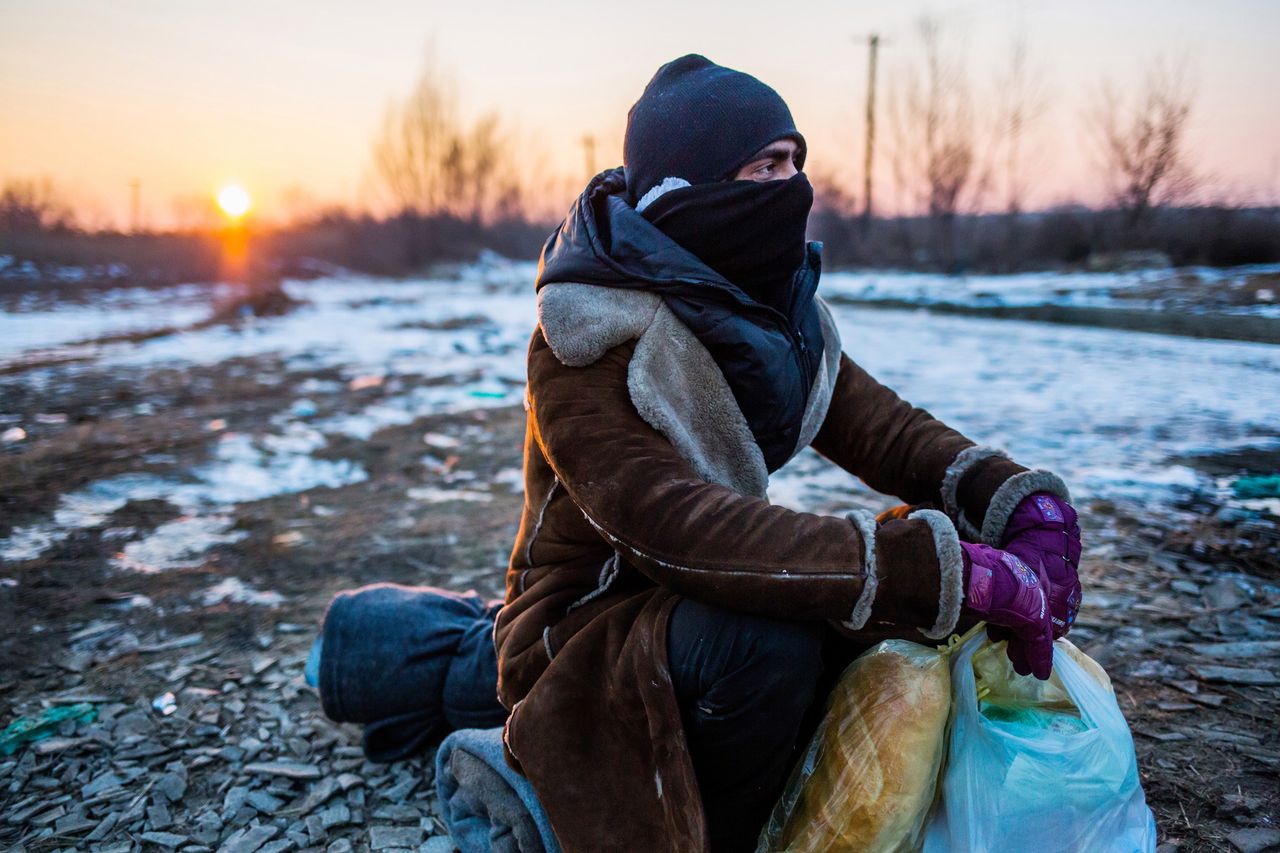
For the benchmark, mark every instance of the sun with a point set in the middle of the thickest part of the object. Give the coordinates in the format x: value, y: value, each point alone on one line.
x: 233, y: 200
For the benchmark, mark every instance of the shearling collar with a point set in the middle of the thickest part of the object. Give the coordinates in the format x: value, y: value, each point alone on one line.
x: 674, y: 383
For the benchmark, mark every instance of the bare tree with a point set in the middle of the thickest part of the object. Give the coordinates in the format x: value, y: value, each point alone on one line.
x: 33, y: 205
x: 482, y: 172
x: 431, y: 163
x: 1021, y: 102
x: 417, y: 135
x: 935, y: 151
x: 1142, y: 141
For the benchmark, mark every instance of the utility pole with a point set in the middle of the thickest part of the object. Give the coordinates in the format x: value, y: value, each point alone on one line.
x: 135, y: 206
x: 873, y: 46
x: 589, y: 151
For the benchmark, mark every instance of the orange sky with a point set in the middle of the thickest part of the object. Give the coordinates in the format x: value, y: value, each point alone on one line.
x: 284, y: 96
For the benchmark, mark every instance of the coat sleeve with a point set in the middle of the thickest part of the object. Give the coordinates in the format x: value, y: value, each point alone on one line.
x: 902, y: 450
x: 700, y: 539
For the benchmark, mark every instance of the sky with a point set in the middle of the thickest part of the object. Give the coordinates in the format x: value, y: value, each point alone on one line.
x: 285, y: 96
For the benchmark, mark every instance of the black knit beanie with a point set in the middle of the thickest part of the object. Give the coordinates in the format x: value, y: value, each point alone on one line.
x: 700, y: 122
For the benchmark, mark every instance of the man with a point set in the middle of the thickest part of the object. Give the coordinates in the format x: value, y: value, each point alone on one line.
x: 662, y: 637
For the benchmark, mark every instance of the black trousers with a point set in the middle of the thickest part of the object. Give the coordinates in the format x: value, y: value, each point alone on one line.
x: 747, y: 688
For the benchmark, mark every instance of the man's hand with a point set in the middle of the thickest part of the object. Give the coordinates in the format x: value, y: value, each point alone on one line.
x: 1044, y: 532
x: 1009, y: 594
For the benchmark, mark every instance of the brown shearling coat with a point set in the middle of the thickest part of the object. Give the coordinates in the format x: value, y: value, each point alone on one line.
x: 618, y: 526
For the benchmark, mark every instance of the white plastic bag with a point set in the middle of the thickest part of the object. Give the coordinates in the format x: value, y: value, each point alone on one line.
x: 1069, y: 784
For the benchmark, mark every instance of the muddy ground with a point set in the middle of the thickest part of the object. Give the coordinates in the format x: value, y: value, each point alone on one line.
x: 240, y: 758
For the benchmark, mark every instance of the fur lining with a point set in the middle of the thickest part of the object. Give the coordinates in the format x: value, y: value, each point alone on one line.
x: 658, y: 190
x: 866, y: 524
x: 946, y: 543
x: 582, y: 322
x: 1010, y: 494
x: 675, y: 384
x: 960, y: 466
x: 678, y: 389
x: 824, y: 384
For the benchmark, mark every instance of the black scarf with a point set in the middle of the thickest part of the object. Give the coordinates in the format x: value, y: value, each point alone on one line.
x: 764, y: 333
x: 750, y: 232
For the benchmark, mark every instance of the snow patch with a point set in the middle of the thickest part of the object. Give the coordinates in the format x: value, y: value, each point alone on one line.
x: 178, y: 544
x: 236, y: 591
x: 434, y: 494
x: 244, y: 469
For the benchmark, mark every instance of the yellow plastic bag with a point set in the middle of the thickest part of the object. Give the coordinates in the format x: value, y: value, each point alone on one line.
x: 867, y: 780
x: 999, y: 684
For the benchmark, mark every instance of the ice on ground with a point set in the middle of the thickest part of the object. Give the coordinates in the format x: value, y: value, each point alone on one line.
x: 1270, y: 506
x: 428, y: 400
x: 466, y: 337
x: 35, y: 320
x: 243, y: 469
x: 435, y: 494
x: 26, y: 543
x: 462, y: 485
x: 511, y: 477
x: 809, y: 483
x: 1189, y: 288
x: 236, y: 591
x: 1104, y: 409
x: 381, y: 335
x: 178, y: 544
x: 83, y: 508
x: 1118, y: 483
x: 248, y: 470
x: 440, y: 441
x: 1108, y: 410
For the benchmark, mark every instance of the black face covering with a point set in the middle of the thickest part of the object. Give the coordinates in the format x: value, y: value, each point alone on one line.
x: 750, y: 232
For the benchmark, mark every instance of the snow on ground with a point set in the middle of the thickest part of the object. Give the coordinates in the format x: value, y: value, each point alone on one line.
x: 1108, y: 410
x: 243, y: 469
x: 1105, y: 409
x: 33, y: 319
x: 1152, y: 289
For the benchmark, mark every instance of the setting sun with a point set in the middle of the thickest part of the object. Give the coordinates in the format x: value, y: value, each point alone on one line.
x: 234, y: 201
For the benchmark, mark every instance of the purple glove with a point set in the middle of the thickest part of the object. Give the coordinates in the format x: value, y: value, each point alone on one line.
x: 1043, y: 531
x: 1006, y: 592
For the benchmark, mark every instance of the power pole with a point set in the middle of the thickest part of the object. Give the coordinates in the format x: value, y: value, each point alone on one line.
x: 135, y: 206
x: 589, y: 152
x: 873, y: 45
